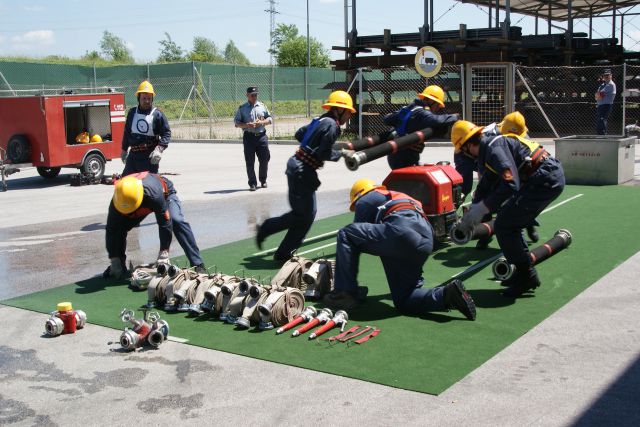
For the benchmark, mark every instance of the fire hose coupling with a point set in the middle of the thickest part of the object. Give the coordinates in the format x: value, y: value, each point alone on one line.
x: 339, y: 319
x: 65, y: 320
x: 458, y: 236
x: 354, y: 160
x: 324, y: 316
x: 151, y: 329
x: 561, y: 239
x: 307, y: 314
x: 265, y: 316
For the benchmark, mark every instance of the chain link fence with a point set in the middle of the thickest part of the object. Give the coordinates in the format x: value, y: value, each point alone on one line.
x: 200, y: 100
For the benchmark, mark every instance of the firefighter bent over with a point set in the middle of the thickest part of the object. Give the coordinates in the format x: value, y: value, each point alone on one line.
x: 146, y: 134
x: 136, y: 196
x: 416, y: 116
x: 519, y: 179
x: 316, y: 141
x: 393, y: 226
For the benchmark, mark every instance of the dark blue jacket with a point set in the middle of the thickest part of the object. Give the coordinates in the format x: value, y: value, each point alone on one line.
x: 153, y: 201
x: 321, y: 139
x: 161, y: 130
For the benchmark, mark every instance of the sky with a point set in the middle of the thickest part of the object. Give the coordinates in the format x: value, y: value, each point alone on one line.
x: 38, y: 28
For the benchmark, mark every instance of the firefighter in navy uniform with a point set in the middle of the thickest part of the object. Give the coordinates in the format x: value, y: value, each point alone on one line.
x: 519, y: 179
x: 136, y: 196
x: 465, y: 164
x: 418, y: 115
x: 393, y: 226
x: 316, y: 141
x: 146, y: 134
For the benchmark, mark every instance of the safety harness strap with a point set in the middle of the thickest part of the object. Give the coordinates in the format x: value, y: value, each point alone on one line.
x: 368, y: 337
x: 343, y: 334
x: 357, y: 334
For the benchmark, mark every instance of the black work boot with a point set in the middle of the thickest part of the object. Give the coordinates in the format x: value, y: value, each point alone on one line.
x: 259, y: 236
x: 200, y: 269
x: 533, y: 234
x: 456, y: 296
x: 525, y: 279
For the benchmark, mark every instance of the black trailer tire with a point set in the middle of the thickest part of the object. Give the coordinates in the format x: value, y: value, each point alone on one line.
x: 19, y: 149
x: 94, y: 164
x: 48, y: 173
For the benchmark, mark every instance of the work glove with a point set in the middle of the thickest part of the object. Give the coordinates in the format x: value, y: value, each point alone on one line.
x: 123, y: 156
x: 163, y: 256
x: 344, y: 152
x: 155, y: 156
x: 473, y: 217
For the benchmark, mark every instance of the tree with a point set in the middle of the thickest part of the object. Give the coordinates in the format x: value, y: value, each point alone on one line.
x: 114, y: 48
x: 232, y: 55
x: 205, y: 50
x: 170, y: 51
x: 290, y: 48
x: 92, y: 56
x: 282, y: 33
x: 293, y: 53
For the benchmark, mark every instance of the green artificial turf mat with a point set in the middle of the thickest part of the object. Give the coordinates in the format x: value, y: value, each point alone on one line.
x: 422, y: 354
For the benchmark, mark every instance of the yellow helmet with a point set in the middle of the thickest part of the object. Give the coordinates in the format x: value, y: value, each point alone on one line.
x: 434, y: 93
x: 340, y: 99
x: 513, y: 123
x: 145, y: 87
x: 83, y: 138
x: 96, y: 138
x: 359, y: 189
x: 461, y: 131
x: 128, y: 194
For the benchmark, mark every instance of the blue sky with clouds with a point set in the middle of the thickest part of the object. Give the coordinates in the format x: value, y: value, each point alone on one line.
x: 38, y: 28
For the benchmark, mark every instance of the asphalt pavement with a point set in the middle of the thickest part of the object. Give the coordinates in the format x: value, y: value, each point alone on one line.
x: 580, y: 366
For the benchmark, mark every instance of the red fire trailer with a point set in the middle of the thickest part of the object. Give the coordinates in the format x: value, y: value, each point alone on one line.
x: 41, y: 131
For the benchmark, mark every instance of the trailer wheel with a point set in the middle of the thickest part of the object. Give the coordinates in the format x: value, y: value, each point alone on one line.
x: 19, y: 149
x: 48, y: 173
x: 94, y: 164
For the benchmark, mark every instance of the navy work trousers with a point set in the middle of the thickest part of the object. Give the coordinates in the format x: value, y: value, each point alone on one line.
x: 603, y: 115
x: 119, y: 225
x: 303, y: 183
x: 521, y: 210
x: 139, y: 161
x: 403, y: 242
x: 256, y: 145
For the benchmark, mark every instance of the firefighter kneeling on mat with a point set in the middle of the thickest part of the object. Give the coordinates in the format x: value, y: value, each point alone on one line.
x: 518, y: 180
x: 393, y: 226
x: 136, y: 196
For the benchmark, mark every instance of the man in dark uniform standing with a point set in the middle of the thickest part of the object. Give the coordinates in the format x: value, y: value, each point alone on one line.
x: 146, y: 134
x: 393, y: 226
x: 251, y: 117
x: 418, y: 115
x: 136, y: 196
x: 316, y: 141
x: 518, y: 180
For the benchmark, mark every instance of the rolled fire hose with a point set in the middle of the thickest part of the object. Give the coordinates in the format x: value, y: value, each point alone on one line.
x: 502, y: 270
x: 359, y: 158
x: 480, y: 231
x: 282, y: 305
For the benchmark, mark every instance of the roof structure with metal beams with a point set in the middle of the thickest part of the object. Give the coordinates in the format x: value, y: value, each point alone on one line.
x: 557, y: 9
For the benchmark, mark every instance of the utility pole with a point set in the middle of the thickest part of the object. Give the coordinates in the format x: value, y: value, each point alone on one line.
x: 272, y: 25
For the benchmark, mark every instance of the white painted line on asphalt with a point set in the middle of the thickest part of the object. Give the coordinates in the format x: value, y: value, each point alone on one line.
x: 177, y: 339
x: 307, y: 240
x: 562, y: 203
x: 51, y: 236
x: 11, y: 250
x: 25, y: 243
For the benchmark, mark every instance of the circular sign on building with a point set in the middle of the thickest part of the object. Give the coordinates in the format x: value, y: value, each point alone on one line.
x: 428, y: 61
